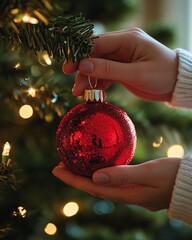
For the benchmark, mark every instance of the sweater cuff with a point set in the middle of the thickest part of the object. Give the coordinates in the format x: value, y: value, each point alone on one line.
x: 182, y: 94
x: 181, y: 202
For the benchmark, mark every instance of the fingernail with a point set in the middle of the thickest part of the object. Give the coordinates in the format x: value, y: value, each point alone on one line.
x: 86, y: 66
x: 101, y: 178
x: 54, y: 171
x: 74, y: 86
x: 59, y: 166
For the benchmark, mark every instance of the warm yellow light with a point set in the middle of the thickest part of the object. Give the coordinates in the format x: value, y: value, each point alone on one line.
x: 158, y: 143
x: 21, y: 211
x: 50, y: 229
x: 28, y: 19
x: 6, y: 149
x: 32, y: 92
x: 46, y: 58
x: 17, y: 66
x: 33, y: 20
x: 15, y: 11
x: 25, y: 18
x: 70, y: 209
x: 175, y: 151
x: 26, y: 111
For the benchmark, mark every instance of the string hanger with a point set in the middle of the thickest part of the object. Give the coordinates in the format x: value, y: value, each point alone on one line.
x: 92, y: 86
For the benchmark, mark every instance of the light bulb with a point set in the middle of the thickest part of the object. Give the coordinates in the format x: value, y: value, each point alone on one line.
x: 6, y: 149
x: 32, y: 92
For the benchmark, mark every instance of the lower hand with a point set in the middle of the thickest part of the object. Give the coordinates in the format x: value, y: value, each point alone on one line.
x: 149, y: 184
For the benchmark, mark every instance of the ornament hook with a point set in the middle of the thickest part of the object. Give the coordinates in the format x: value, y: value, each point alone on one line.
x: 90, y: 83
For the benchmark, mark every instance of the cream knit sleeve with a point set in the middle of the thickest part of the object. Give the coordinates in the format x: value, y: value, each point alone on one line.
x: 181, y: 202
x: 182, y: 94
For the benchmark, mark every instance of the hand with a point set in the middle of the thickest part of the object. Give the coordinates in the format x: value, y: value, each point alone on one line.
x: 143, y: 65
x: 149, y: 185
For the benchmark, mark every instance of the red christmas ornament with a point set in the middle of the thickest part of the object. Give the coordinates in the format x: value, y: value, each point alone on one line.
x: 94, y: 135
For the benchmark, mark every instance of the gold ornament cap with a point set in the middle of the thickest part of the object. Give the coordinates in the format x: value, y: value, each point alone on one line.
x: 93, y: 95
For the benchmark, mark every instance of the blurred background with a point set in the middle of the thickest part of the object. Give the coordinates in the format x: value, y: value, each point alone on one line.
x: 34, y: 94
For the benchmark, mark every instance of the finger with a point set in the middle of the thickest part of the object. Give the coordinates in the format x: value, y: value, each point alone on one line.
x: 82, y: 183
x: 118, y: 194
x: 71, y: 179
x: 112, y: 70
x: 107, y: 43
x: 111, y: 41
x: 69, y: 67
x: 81, y: 83
x: 122, y: 175
x: 132, y: 75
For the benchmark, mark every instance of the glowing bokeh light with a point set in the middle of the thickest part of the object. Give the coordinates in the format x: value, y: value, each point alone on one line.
x: 50, y: 229
x: 175, y: 151
x: 70, y: 209
x: 26, y: 111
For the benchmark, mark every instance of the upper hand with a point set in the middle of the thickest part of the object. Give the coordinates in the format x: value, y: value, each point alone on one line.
x: 149, y: 185
x: 143, y: 65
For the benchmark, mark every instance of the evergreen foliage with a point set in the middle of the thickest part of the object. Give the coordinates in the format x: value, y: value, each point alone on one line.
x: 31, y: 56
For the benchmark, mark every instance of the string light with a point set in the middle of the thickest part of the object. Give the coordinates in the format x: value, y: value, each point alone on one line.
x: 28, y: 19
x: 50, y: 229
x: 44, y: 58
x: 47, y: 59
x: 6, y: 151
x: 70, y: 209
x: 26, y: 111
x: 32, y: 92
x: 14, y: 11
x: 175, y: 151
x: 158, y: 143
x: 17, y: 66
x: 25, y: 18
x: 21, y: 211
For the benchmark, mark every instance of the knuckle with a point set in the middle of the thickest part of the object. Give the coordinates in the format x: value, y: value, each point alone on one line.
x: 107, y: 69
x: 123, y: 178
x: 137, y: 31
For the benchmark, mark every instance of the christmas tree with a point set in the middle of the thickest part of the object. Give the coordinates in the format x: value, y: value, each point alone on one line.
x: 35, y: 38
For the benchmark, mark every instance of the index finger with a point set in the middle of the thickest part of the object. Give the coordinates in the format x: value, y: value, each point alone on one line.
x: 110, y: 42
x: 69, y: 67
x: 107, y: 43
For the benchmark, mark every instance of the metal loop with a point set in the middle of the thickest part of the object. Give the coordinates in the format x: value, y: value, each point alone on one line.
x: 90, y: 83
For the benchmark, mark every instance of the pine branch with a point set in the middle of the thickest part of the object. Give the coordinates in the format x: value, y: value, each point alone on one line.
x: 63, y: 38
x: 8, y: 179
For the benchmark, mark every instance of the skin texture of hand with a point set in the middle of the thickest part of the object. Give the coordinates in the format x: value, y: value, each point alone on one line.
x: 149, y: 184
x: 143, y: 65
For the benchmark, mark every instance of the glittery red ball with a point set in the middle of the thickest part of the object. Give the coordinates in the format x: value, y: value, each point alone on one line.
x: 92, y: 136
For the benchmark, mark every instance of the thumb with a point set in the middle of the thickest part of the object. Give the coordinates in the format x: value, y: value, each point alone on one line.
x: 108, y: 69
x: 121, y: 175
